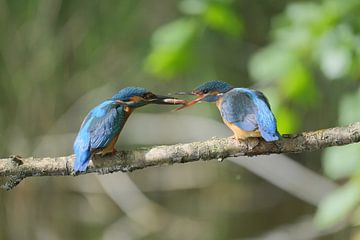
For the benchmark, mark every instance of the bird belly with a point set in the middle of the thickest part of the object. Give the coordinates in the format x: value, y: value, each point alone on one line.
x: 240, y: 133
x: 110, y: 148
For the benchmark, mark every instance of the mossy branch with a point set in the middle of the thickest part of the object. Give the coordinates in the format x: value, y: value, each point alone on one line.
x: 16, y: 168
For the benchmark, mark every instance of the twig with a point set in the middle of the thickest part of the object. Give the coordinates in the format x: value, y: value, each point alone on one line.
x: 19, y: 168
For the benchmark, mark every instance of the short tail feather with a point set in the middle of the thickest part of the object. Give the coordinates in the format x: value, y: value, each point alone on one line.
x: 269, y: 137
x: 266, y: 121
x: 81, y: 162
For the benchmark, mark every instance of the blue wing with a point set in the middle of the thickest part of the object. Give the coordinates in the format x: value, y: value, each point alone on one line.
x: 249, y: 110
x: 104, y: 129
x: 237, y: 107
x: 100, y: 126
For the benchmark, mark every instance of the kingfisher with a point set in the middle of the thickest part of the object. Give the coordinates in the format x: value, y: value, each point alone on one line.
x: 245, y: 111
x: 102, y: 126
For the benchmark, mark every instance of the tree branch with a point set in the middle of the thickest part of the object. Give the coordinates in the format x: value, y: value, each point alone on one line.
x: 17, y: 168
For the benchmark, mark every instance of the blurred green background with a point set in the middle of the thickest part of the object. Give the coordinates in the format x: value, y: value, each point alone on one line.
x: 59, y: 58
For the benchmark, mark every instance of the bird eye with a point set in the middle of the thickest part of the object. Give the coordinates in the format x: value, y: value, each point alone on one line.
x: 205, y: 91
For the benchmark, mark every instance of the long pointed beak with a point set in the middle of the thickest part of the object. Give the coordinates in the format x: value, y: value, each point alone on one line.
x: 188, y: 104
x: 167, y: 100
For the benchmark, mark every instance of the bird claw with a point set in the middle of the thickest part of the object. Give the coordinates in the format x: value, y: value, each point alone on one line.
x: 234, y: 137
x: 17, y: 159
x: 110, y: 153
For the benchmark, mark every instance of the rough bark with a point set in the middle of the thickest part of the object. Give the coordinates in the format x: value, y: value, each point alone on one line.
x: 16, y: 168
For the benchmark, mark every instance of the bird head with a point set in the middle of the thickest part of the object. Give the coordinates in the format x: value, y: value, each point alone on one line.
x: 208, y: 92
x: 135, y: 97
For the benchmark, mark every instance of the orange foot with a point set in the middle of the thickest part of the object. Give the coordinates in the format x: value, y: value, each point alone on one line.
x: 106, y: 152
x: 239, y: 138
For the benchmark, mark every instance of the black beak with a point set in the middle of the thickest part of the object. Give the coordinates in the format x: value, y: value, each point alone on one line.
x: 166, y: 100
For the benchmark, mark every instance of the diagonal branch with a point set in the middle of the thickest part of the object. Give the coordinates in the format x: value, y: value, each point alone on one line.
x: 17, y: 168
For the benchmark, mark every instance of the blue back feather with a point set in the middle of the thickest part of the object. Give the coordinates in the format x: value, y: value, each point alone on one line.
x: 100, y: 126
x: 249, y: 110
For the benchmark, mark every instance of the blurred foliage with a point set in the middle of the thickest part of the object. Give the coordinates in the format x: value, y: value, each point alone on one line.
x: 173, y: 44
x: 339, y: 205
x: 172, y: 47
x: 324, y: 36
x: 307, y: 38
x: 304, y: 55
x: 311, y: 42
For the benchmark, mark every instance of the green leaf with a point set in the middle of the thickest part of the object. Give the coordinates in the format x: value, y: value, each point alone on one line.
x: 303, y: 13
x: 316, y: 17
x: 338, y: 205
x: 297, y: 84
x: 193, y: 7
x: 295, y: 38
x: 335, y: 62
x: 287, y: 120
x: 271, y: 64
x: 222, y: 18
x: 171, y: 48
x: 175, y: 34
x: 334, y: 51
x: 341, y: 162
